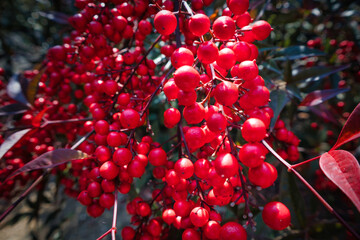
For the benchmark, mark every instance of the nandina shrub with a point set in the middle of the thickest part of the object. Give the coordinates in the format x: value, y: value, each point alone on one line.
x: 94, y: 93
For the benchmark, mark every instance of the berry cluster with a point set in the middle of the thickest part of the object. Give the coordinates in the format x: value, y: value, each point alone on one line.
x: 103, y: 70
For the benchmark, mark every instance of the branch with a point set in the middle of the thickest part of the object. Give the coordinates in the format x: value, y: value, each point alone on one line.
x: 37, y: 181
x: 134, y: 70
x: 243, y: 183
x: 113, y: 228
x: 307, y: 184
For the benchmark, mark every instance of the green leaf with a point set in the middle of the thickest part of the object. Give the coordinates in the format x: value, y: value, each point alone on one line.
x: 303, y: 82
x: 293, y: 90
x: 296, y: 52
x: 279, y: 98
x: 271, y: 65
x: 299, y: 75
x: 264, y: 49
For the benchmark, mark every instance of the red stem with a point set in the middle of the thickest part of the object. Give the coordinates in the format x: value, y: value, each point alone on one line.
x: 134, y: 70
x: 23, y: 195
x: 113, y: 228
x: 307, y: 184
x: 37, y: 181
x: 105, y: 234
x: 243, y: 183
x: 304, y: 162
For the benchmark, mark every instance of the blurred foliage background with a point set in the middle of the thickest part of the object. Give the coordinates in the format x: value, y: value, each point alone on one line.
x: 314, y: 46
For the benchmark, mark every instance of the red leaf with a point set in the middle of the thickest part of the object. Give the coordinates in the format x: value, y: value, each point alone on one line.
x: 50, y: 160
x: 320, y: 96
x: 324, y: 112
x: 36, y: 122
x: 342, y: 168
x: 351, y: 129
x: 14, y: 138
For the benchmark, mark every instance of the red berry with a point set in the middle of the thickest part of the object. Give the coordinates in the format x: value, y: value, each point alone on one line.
x: 184, y: 168
x: 226, y: 93
x: 186, y: 98
x: 110, y: 87
x: 169, y: 216
x: 107, y: 200
x: 243, y: 20
x: 154, y: 227
x: 281, y: 134
x: 194, y: 137
x: 95, y: 210
x: 224, y: 193
x: 254, y: 52
x: 115, y: 139
x: 226, y: 59
x: 136, y: 168
x: 212, y: 230
x: 260, y: 114
x: 261, y: 30
x: 226, y: 165
x: 253, y: 130
x: 124, y: 99
x: 216, y: 122
x: 194, y: 113
x: 199, y: 216
x: 130, y: 118
x: 190, y: 234
x: 207, y: 52
x: 102, y: 153
x: 242, y: 51
x: 238, y: 6
x: 199, y: 24
x: 84, y: 198
x: 251, y: 155
x: 157, y: 157
x: 260, y: 96
x: 119, y: 23
x: 165, y: 22
x: 108, y: 185
x: 247, y: 70
x: 122, y: 156
x: 172, y: 177
x: 171, y: 90
x: 224, y: 28
x: 182, y: 208
x: 109, y: 170
x: 202, y: 167
x: 145, y: 27
x: 181, y: 57
x: 143, y: 209
x: 263, y: 176
x: 128, y: 233
x: 231, y: 231
x: 276, y: 215
x: 172, y: 117
x: 186, y: 78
